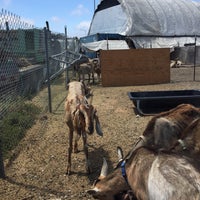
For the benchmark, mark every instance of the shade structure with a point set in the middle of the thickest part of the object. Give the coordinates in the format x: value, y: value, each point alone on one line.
x: 150, y: 23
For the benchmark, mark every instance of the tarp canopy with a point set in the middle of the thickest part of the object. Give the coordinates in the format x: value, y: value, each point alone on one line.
x: 105, y: 45
x: 165, y: 20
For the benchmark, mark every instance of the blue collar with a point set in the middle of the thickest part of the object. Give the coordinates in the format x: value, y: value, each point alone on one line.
x: 123, y: 170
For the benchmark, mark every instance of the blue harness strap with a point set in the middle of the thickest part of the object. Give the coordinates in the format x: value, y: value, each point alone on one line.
x: 123, y: 170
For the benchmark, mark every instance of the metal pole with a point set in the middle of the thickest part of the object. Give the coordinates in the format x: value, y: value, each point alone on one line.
x: 107, y: 43
x: 47, y: 65
x: 195, y: 49
x: 7, y: 26
x: 94, y: 5
x: 66, y: 42
x: 66, y: 48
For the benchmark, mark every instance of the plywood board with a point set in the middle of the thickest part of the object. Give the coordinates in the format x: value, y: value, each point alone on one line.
x: 135, y: 67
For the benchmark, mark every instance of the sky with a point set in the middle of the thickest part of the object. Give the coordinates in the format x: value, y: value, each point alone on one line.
x: 76, y: 15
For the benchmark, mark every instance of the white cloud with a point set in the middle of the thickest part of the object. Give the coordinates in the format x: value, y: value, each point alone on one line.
x: 55, y: 19
x: 79, y: 10
x: 83, y: 27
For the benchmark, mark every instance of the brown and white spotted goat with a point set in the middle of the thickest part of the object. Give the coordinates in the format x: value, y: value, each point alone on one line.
x: 80, y: 117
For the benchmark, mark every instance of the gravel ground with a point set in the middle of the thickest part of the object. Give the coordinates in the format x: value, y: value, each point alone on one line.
x: 38, y: 171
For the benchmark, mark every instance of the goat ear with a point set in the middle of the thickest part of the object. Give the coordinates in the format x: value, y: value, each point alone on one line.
x: 120, y: 153
x: 98, y: 126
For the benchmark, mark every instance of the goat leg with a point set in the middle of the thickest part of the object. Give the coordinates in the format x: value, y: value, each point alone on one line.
x: 78, y: 135
x: 69, y: 152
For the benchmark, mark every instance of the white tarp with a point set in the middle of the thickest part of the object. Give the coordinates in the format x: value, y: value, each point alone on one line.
x: 161, y: 17
x: 154, y: 23
x: 105, y: 45
x: 110, y: 20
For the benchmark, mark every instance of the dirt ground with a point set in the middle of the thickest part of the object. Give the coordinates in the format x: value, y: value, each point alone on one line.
x: 38, y: 171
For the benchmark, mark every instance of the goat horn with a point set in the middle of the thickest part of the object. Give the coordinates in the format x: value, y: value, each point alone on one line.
x: 120, y: 153
x: 139, y: 143
x: 104, y: 169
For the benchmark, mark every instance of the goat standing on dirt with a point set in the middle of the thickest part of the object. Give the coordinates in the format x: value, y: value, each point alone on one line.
x: 96, y: 67
x: 86, y: 69
x: 79, y: 116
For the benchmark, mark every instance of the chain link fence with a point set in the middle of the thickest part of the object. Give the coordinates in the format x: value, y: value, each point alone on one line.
x: 32, y: 62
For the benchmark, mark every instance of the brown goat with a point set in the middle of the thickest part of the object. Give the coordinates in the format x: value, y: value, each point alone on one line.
x: 79, y: 116
x: 151, y: 176
x: 86, y: 69
x: 165, y: 129
x: 177, y: 133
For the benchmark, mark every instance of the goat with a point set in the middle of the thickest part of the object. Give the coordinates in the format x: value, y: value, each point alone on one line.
x: 165, y: 129
x: 175, y: 63
x: 79, y: 116
x: 85, y: 68
x: 90, y: 68
x: 151, y: 176
x: 96, y: 67
x: 76, y: 63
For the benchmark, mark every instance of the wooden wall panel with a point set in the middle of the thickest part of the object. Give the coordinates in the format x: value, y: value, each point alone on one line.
x: 135, y: 67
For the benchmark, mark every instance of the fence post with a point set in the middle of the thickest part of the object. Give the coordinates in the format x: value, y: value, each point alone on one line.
x: 66, y: 49
x: 195, y: 49
x: 47, y: 65
x: 2, y: 171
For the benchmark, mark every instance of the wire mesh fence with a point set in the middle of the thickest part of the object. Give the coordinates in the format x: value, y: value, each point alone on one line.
x: 29, y: 59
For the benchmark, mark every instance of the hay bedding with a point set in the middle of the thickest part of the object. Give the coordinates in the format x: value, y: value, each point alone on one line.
x: 38, y: 172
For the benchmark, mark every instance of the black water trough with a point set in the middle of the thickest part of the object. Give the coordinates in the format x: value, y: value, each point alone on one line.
x: 152, y: 102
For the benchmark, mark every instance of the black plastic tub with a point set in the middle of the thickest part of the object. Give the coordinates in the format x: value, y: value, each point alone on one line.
x: 152, y: 102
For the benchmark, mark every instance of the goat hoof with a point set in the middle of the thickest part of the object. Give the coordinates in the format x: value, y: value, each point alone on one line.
x: 68, y: 173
